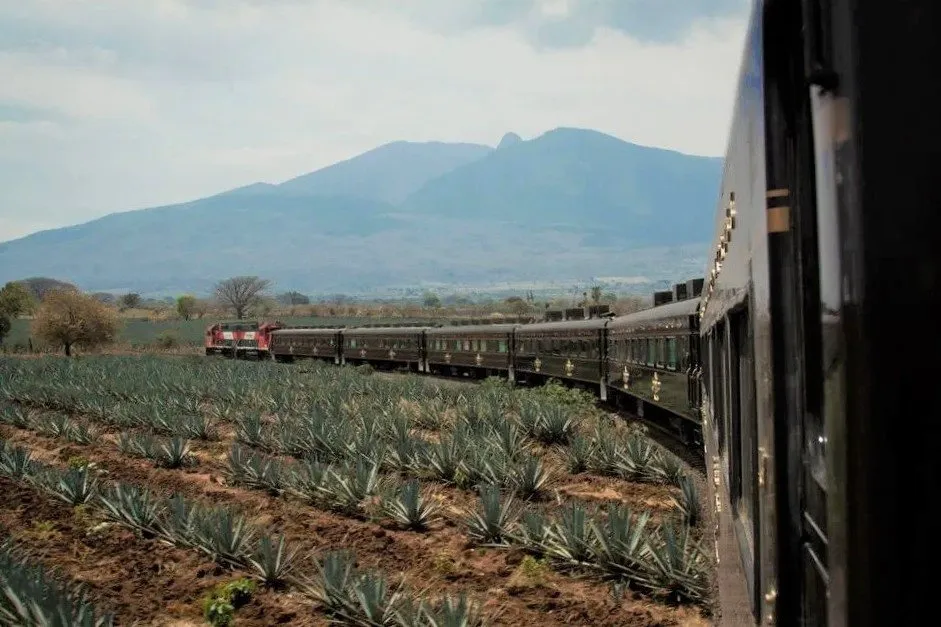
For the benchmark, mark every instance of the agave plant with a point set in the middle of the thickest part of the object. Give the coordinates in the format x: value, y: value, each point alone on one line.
x: 607, y: 454
x: 15, y: 462
x: 578, y: 454
x: 490, y: 523
x: 451, y: 612
x: 75, y: 486
x: 638, y: 457
x: 178, y: 523
x: 81, y: 433
x: 196, y: 426
x: 555, y: 425
x: 132, y: 506
x: 532, y: 531
x: 570, y: 538
x: 443, y: 458
x: 54, y: 425
x: 372, y: 602
x: 351, y: 484
x: 223, y: 534
x: 409, y: 507
x: 272, y: 561
x: 620, y: 544
x: 529, y: 477
x: 29, y: 596
x: 332, y: 586
x: 688, y: 501
x: 174, y: 453
x: 310, y: 480
x: 678, y: 567
x: 138, y: 445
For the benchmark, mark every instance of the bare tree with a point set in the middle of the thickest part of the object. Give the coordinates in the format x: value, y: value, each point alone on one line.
x: 67, y: 318
x: 240, y: 293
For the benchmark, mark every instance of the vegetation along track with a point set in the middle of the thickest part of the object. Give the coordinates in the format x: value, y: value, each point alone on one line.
x: 527, y: 507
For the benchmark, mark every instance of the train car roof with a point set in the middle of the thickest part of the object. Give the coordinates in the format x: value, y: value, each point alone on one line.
x: 675, y: 309
x: 383, y: 330
x: 472, y: 328
x: 305, y: 331
x: 564, y: 325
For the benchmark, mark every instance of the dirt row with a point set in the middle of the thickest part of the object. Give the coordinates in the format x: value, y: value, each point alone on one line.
x: 141, y: 581
x: 439, y: 561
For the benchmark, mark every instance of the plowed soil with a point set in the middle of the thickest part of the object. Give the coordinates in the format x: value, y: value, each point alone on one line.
x: 141, y: 581
x: 437, y: 561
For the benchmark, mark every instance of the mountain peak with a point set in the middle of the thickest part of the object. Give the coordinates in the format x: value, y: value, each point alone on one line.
x: 510, y: 139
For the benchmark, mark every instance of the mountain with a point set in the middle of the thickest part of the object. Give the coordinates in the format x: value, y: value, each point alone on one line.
x: 388, y: 173
x: 613, y: 191
x: 569, y: 203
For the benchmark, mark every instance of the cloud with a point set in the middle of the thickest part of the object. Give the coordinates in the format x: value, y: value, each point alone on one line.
x: 110, y: 105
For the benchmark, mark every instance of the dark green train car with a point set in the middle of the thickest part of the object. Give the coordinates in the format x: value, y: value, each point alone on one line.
x: 475, y: 351
x: 384, y: 347
x: 652, y: 366
x: 573, y: 351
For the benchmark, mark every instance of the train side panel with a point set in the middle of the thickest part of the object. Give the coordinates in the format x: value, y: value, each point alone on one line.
x: 473, y: 350
x: 737, y: 362
x: 651, y: 364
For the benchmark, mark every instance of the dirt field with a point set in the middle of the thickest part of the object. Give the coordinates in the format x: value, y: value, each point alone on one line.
x: 322, y: 457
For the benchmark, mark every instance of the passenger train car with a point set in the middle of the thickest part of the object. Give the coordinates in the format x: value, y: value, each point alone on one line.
x: 824, y: 267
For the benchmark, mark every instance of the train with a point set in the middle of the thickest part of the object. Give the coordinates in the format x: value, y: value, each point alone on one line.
x: 788, y: 367
x: 646, y: 362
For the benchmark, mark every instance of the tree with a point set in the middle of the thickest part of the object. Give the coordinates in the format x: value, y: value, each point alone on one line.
x: 186, y: 306
x: 15, y: 300
x: 104, y: 297
x: 67, y: 318
x: 431, y: 300
x: 517, y: 305
x: 240, y: 293
x: 293, y: 298
x: 39, y: 286
x: 5, y: 325
x: 200, y: 308
x: 596, y: 294
x: 129, y: 301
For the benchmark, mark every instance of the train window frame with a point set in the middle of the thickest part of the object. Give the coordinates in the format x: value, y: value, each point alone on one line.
x: 671, y: 353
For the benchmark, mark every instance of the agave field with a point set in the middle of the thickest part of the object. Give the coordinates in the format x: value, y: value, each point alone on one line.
x: 159, y: 490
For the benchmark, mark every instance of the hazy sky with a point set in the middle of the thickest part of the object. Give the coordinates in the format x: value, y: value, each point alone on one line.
x: 109, y: 105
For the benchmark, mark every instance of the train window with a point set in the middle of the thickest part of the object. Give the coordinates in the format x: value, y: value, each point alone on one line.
x: 502, y: 347
x: 671, y: 353
x: 651, y: 352
x: 467, y: 345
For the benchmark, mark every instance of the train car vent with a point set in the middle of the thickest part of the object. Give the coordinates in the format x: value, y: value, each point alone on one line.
x: 575, y: 313
x: 662, y: 297
x: 680, y: 292
x: 694, y: 287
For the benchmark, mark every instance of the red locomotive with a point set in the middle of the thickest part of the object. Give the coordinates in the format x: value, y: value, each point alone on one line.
x: 239, y: 338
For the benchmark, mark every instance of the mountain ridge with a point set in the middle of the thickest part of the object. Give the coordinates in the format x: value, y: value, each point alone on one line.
x: 569, y: 200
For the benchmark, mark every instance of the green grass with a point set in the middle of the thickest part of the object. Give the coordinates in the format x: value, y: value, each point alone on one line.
x: 136, y: 332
